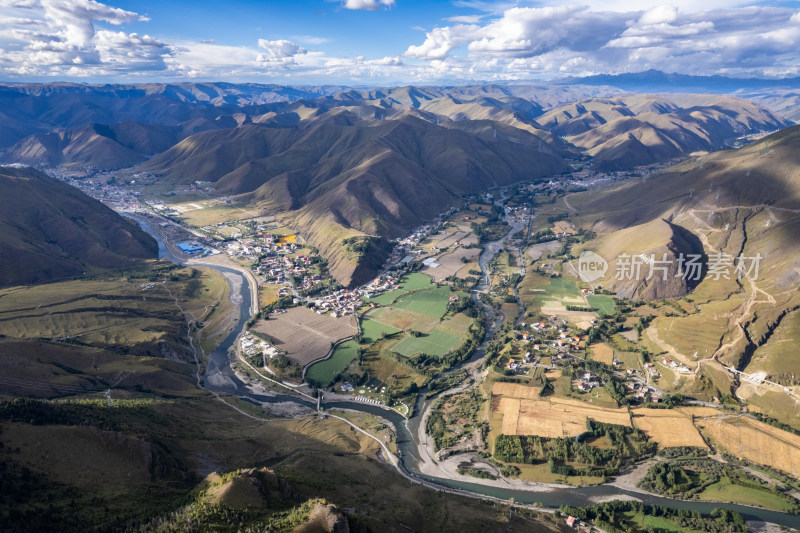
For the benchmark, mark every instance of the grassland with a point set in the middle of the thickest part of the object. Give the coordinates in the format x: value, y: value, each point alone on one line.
x: 725, y: 491
x: 436, y: 342
x: 373, y: 330
x: 324, y: 372
x: 432, y: 302
x: 602, y: 353
x: 410, y: 282
x: 139, y: 313
x: 602, y: 303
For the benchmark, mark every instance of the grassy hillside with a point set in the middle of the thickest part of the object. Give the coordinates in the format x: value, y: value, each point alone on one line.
x: 736, y: 202
x: 51, y: 231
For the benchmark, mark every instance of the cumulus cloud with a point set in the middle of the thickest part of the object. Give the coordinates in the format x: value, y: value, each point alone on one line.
x: 59, y: 36
x: 280, y: 52
x: 368, y: 5
x: 580, y: 40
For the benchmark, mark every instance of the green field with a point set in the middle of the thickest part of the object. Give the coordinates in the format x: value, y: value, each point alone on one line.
x: 410, y: 282
x: 725, y: 491
x: 602, y: 303
x: 432, y: 302
x: 325, y: 371
x: 436, y: 343
x: 658, y: 523
x: 372, y: 330
x: 562, y: 288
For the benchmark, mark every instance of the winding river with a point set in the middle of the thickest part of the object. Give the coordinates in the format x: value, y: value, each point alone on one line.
x: 220, y: 377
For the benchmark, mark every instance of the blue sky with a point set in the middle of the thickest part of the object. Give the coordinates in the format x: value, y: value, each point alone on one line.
x: 392, y: 41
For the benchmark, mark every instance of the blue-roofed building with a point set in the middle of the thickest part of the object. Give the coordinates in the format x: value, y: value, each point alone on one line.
x: 190, y: 247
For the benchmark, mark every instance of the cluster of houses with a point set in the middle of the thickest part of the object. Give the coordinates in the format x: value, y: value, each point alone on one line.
x: 252, y: 345
x: 586, y: 382
x: 277, y: 269
x: 641, y: 393
x: 385, y: 283
x: 340, y: 303
x: 402, y: 250
x: 682, y: 369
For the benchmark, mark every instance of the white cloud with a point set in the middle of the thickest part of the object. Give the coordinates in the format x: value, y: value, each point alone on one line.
x: 368, y: 5
x: 52, y: 37
x: 281, y: 51
x: 554, y: 40
x: 466, y: 19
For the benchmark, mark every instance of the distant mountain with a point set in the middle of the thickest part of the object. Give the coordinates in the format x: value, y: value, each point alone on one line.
x: 52, y: 231
x: 628, y: 131
x: 655, y: 81
x: 32, y: 108
x: 339, y: 175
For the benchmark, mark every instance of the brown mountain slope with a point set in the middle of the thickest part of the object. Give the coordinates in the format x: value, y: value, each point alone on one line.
x: 735, y: 202
x: 51, y: 231
x: 343, y: 176
x: 635, y: 130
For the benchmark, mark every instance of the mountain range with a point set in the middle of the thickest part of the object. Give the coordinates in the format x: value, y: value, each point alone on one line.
x: 337, y: 162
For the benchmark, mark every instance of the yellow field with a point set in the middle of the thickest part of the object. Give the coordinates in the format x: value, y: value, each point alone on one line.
x: 602, y: 353
x: 668, y: 427
x: 519, y: 411
x: 755, y: 441
x: 515, y: 390
x: 553, y: 417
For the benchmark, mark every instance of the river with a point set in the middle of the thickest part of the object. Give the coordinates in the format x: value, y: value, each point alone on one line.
x: 220, y: 377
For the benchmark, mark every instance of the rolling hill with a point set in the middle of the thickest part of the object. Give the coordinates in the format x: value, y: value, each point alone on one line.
x: 51, y: 231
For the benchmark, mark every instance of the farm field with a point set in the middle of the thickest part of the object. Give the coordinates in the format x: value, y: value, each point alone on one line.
x: 304, y: 335
x: 602, y: 353
x: 411, y: 282
x: 432, y: 302
x: 451, y: 263
x: 551, y: 296
x: 552, y: 417
x: 436, y: 343
x: 402, y: 319
x: 373, y: 329
x: 324, y: 372
x: 755, y: 441
x: 210, y: 212
x: 670, y: 428
x: 726, y: 491
x: 602, y: 303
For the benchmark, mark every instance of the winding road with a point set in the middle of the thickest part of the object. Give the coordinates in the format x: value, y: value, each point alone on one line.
x: 220, y: 379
